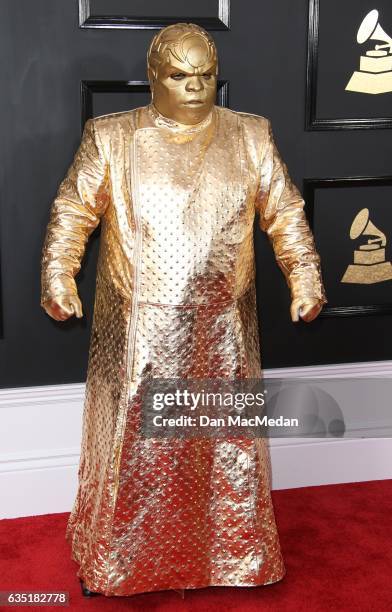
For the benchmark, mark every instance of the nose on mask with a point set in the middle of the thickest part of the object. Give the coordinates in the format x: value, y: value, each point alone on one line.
x: 194, y: 84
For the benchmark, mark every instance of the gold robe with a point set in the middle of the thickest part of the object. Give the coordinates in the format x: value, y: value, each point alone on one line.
x: 175, y: 298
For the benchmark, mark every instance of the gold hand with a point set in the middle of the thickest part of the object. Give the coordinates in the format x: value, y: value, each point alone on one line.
x: 306, y: 308
x: 62, y: 307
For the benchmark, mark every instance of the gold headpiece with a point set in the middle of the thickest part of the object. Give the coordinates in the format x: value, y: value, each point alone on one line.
x: 178, y: 39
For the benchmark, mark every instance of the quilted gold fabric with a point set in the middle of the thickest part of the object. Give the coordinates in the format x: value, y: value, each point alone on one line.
x: 175, y: 298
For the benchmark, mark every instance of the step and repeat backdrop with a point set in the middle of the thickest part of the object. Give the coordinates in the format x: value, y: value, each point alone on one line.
x: 320, y: 70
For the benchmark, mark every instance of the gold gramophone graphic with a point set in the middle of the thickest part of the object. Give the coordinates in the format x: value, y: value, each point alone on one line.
x: 369, y: 260
x: 375, y: 71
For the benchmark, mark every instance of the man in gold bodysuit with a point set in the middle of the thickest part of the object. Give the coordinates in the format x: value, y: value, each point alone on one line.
x: 176, y: 186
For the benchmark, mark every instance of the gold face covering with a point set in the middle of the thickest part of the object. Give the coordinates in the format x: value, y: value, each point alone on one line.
x: 182, y: 69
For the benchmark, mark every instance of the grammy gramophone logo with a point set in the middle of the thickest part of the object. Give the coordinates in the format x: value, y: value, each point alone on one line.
x: 375, y: 70
x: 369, y: 259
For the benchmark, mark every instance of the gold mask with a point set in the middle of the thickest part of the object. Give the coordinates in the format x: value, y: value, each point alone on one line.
x: 182, y: 70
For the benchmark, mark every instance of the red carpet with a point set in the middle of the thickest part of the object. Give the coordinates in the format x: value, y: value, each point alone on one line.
x: 336, y: 541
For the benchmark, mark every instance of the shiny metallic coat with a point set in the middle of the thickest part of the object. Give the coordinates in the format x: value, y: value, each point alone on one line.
x: 175, y: 298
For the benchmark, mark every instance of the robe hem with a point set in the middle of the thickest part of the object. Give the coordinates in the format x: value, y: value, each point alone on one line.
x: 187, y: 587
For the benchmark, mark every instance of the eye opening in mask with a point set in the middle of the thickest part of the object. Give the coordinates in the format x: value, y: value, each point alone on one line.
x: 179, y: 76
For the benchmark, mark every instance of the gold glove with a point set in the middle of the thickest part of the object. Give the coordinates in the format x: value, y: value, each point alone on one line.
x: 306, y: 308
x: 63, y: 307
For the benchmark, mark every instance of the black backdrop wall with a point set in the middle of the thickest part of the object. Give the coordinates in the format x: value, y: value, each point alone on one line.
x: 45, y: 56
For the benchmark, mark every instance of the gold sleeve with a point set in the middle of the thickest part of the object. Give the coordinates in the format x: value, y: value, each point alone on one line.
x: 282, y: 217
x: 81, y: 200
